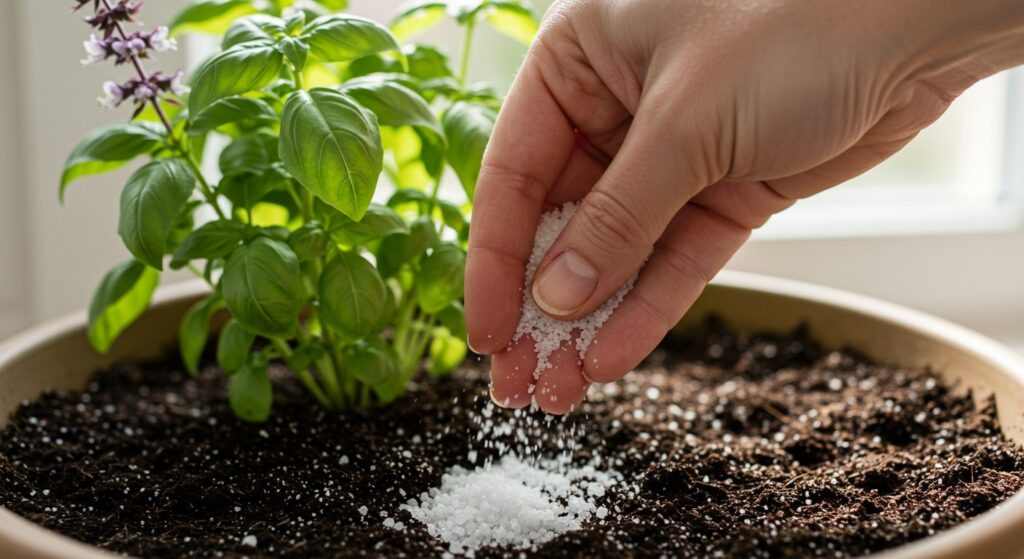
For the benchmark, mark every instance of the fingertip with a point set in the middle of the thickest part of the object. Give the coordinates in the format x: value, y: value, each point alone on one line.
x: 561, y: 387
x: 512, y: 375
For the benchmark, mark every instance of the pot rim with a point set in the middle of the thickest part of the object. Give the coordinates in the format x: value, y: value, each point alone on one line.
x: 1005, y: 518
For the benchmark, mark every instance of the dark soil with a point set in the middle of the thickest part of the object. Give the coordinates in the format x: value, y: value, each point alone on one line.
x: 740, y: 446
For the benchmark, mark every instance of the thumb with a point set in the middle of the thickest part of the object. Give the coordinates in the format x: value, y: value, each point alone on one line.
x: 617, y: 223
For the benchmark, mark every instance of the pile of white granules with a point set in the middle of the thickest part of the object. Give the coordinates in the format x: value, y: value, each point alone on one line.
x: 548, y: 333
x: 524, y: 500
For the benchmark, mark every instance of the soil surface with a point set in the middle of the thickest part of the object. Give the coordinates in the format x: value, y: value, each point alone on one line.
x: 738, y: 446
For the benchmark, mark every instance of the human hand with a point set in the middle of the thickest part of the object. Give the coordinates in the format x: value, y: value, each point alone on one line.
x: 682, y: 125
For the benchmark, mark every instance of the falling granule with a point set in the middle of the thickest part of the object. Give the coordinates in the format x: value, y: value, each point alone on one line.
x: 549, y: 334
x: 515, y: 502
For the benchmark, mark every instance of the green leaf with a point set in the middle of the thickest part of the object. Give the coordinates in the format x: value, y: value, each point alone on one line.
x: 332, y: 146
x: 343, y: 37
x: 370, y: 361
x: 240, y: 69
x: 453, y: 317
x: 426, y: 62
x: 250, y: 393
x: 256, y: 28
x: 416, y: 17
x: 195, y: 329
x: 446, y: 352
x: 296, y: 50
x: 233, y: 346
x: 249, y: 153
x: 108, y: 148
x: 150, y: 202
x: 121, y: 298
x: 393, y: 103
x: 309, y: 242
x: 262, y: 289
x: 210, y: 16
x: 404, y: 196
x: 352, y: 295
x: 441, y: 278
x: 398, y: 248
x: 468, y: 128
x: 513, y: 19
x: 376, y: 223
x: 231, y: 110
x: 465, y: 10
x: 215, y: 239
x: 247, y: 188
x: 303, y: 357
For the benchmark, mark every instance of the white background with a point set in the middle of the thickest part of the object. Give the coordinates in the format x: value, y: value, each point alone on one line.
x: 961, y: 261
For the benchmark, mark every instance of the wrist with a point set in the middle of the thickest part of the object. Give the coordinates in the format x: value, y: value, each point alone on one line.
x: 960, y: 42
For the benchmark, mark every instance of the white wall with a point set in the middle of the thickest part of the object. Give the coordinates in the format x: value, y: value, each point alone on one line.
x: 53, y: 256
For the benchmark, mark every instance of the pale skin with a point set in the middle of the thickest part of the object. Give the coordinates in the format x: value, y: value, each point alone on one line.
x: 681, y: 126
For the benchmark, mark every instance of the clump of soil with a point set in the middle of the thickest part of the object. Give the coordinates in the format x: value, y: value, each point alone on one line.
x: 734, y: 445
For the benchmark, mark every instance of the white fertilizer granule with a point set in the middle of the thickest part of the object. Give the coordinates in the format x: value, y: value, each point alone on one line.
x: 548, y: 333
x: 515, y: 502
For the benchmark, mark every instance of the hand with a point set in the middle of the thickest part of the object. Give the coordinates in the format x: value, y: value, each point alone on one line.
x: 682, y: 125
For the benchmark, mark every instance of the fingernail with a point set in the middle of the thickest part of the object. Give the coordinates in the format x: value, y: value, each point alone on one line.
x: 565, y: 284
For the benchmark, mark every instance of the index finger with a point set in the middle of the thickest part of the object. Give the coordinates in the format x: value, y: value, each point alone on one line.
x: 531, y: 142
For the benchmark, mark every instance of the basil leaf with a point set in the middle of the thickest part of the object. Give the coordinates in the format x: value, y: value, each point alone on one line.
x: 441, y: 278
x: 231, y: 110
x: 303, y: 357
x: 352, y: 295
x: 370, y: 361
x: 195, y: 329
x: 514, y: 20
x: 309, y: 242
x: 393, y: 103
x: 398, y: 248
x: 416, y: 17
x: 247, y: 188
x: 468, y: 128
x: 249, y: 153
x: 233, y: 346
x: 343, y: 37
x: 210, y: 16
x: 250, y: 392
x: 296, y: 50
x: 240, y: 69
x: 119, y: 300
x: 150, y: 202
x: 332, y: 146
x: 333, y: 5
x: 376, y: 223
x: 407, y: 196
x: 261, y: 287
x: 259, y: 27
x: 453, y: 317
x: 108, y: 148
x: 446, y: 352
x: 426, y: 62
x: 215, y: 239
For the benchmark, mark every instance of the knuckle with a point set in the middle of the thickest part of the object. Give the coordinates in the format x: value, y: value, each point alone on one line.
x: 610, y: 224
x: 522, y: 183
x: 685, y: 267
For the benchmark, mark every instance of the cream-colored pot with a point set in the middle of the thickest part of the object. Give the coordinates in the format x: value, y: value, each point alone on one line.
x: 57, y: 355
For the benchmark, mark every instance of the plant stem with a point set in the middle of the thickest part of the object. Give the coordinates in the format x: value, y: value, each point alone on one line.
x: 307, y: 379
x: 204, y: 187
x: 467, y: 48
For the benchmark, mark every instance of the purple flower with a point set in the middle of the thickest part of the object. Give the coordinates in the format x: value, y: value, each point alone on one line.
x: 96, y: 50
x: 107, y: 20
x: 170, y: 84
x: 113, y: 96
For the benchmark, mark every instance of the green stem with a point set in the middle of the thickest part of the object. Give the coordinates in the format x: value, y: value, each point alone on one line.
x: 204, y: 186
x: 467, y: 49
x: 307, y: 379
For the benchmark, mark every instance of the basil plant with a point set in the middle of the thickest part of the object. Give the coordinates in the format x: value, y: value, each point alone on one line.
x: 299, y: 175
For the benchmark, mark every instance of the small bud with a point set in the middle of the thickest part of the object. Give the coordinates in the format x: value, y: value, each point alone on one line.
x: 96, y: 50
x: 113, y: 95
x: 158, y: 40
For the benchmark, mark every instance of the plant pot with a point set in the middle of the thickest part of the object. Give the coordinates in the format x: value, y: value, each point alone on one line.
x: 57, y: 355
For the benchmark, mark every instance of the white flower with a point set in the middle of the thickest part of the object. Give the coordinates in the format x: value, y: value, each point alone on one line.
x: 95, y: 50
x: 159, y: 42
x: 176, y: 86
x: 144, y: 91
x: 113, y: 95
